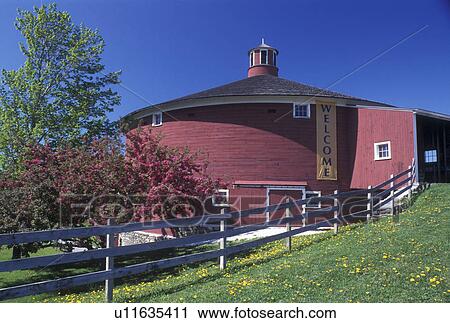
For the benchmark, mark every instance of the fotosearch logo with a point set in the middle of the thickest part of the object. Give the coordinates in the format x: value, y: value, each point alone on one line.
x: 79, y: 209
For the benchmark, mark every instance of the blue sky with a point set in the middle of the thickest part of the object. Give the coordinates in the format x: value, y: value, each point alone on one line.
x: 167, y: 49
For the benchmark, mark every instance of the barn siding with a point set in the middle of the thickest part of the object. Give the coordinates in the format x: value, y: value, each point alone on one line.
x: 377, y: 126
x: 247, y: 142
x: 248, y: 198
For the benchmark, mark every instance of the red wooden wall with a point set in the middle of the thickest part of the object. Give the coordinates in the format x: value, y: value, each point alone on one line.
x: 377, y: 126
x: 254, y: 142
x: 263, y: 142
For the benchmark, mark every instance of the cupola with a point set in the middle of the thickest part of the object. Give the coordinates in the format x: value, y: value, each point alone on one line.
x: 263, y: 60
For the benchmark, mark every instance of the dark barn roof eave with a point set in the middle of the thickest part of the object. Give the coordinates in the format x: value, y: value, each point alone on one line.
x: 261, y: 85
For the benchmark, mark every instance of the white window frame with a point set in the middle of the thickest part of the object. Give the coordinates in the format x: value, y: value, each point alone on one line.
x: 375, y: 150
x: 227, y: 196
x: 308, y: 111
x: 425, y: 156
x: 274, y: 59
x: 154, y: 124
x: 260, y: 57
x: 251, y: 58
x: 319, y: 194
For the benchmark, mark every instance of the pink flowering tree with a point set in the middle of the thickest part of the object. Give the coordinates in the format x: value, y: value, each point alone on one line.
x: 141, y: 180
x: 173, y: 181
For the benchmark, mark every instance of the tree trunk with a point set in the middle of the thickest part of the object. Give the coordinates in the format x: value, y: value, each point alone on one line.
x: 17, y: 252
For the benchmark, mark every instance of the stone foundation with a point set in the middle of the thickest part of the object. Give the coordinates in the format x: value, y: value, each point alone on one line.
x: 137, y: 237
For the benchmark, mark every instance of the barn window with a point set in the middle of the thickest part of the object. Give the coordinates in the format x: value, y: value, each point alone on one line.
x: 263, y: 56
x: 311, y: 201
x: 251, y: 59
x: 274, y: 58
x: 157, y: 119
x: 382, y: 150
x: 221, y: 198
x: 301, y: 111
x: 431, y: 156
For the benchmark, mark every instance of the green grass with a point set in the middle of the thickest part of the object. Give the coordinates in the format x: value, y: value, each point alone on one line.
x: 18, y: 277
x: 41, y: 274
x: 8, y: 279
x: 380, y: 262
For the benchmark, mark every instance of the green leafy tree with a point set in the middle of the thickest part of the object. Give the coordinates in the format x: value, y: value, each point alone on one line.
x: 60, y: 94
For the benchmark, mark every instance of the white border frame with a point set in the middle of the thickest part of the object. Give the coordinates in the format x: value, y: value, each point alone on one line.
x: 319, y: 195
x: 375, y: 150
x: 227, y: 194
x: 153, y: 119
x: 308, y: 110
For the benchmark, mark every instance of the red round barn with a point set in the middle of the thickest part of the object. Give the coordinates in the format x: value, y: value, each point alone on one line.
x: 270, y: 137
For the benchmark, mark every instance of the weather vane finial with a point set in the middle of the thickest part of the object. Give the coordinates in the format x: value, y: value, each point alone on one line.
x: 262, y: 41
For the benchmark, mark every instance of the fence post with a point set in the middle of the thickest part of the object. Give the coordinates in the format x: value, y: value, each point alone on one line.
x: 395, y: 211
x: 391, y: 194
x: 336, y: 203
x: 110, y: 243
x: 409, y: 183
x: 369, y: 204
x: 223, y: 243
x: 287, y: 214
x: 303, y: 214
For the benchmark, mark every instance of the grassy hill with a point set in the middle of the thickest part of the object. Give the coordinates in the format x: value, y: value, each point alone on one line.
x: 380, y: 262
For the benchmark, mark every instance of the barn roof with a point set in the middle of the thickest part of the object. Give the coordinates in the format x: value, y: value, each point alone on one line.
x: 264, y: 85
x: 260, y: 85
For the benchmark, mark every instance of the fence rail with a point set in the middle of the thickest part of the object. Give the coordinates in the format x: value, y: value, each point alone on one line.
x: 377, y: 197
